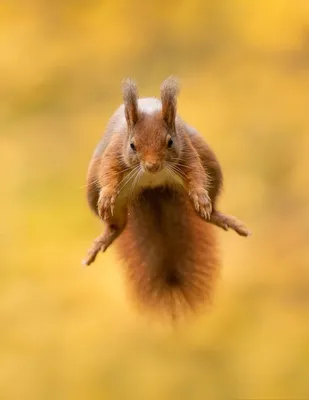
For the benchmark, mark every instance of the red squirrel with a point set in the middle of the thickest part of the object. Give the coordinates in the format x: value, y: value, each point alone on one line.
x: 155, y: 182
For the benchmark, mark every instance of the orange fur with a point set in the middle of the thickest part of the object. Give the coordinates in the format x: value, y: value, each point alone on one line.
x: 170, y: 254
x: 155, y: 183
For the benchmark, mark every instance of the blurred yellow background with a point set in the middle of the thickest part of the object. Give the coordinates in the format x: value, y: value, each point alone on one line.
x: 70, y: 333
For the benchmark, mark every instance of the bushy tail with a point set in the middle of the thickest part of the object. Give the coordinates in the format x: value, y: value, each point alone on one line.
x: 170, y: 254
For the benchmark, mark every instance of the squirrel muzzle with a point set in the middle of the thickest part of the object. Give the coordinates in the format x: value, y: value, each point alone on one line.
x: 152, y: 166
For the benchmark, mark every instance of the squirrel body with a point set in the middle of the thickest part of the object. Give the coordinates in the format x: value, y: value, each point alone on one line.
x: 155, y: 182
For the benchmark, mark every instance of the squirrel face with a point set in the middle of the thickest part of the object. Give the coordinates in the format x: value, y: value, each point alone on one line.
x: 152, y: 143
x: 152, y: 140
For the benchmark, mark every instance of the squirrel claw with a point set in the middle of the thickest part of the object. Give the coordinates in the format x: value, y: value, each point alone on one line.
x: 106, y: 206
x: 97, y: 246
x: 202, y: 203
x: 227, y: 222
x: 243, y: 231
x: 238, y: 227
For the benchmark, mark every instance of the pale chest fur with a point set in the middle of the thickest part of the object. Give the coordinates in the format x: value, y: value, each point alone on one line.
x: 162, y: 178
x: 148, y: 180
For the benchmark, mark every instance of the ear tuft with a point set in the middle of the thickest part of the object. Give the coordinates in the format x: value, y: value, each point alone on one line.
x: 169, y: 93
x: 130, y: 96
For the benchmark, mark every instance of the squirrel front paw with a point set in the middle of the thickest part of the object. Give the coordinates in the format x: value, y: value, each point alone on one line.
x: 106, y: 204
x: 202, y: 202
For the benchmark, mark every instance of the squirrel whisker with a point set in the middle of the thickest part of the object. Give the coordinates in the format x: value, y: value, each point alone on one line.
x: 128, y: 178
x: 136, y: 180
x: 178, y: 171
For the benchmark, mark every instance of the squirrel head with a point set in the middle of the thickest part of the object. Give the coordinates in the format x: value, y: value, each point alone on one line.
x: 152, y: 139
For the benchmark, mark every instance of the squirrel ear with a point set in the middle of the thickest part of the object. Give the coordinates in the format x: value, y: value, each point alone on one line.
x: 169, y: 92
x: 130, y: 95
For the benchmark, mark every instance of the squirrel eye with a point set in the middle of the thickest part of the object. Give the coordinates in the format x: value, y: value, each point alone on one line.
x: 132, y: 145
x: 170, y: 143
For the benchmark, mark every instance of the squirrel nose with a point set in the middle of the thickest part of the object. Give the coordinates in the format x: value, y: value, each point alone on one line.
x: 152, y: 166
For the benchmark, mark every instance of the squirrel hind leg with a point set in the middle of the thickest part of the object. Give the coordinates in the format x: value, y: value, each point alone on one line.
x: 102, y: 242
x: 227, y: 221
